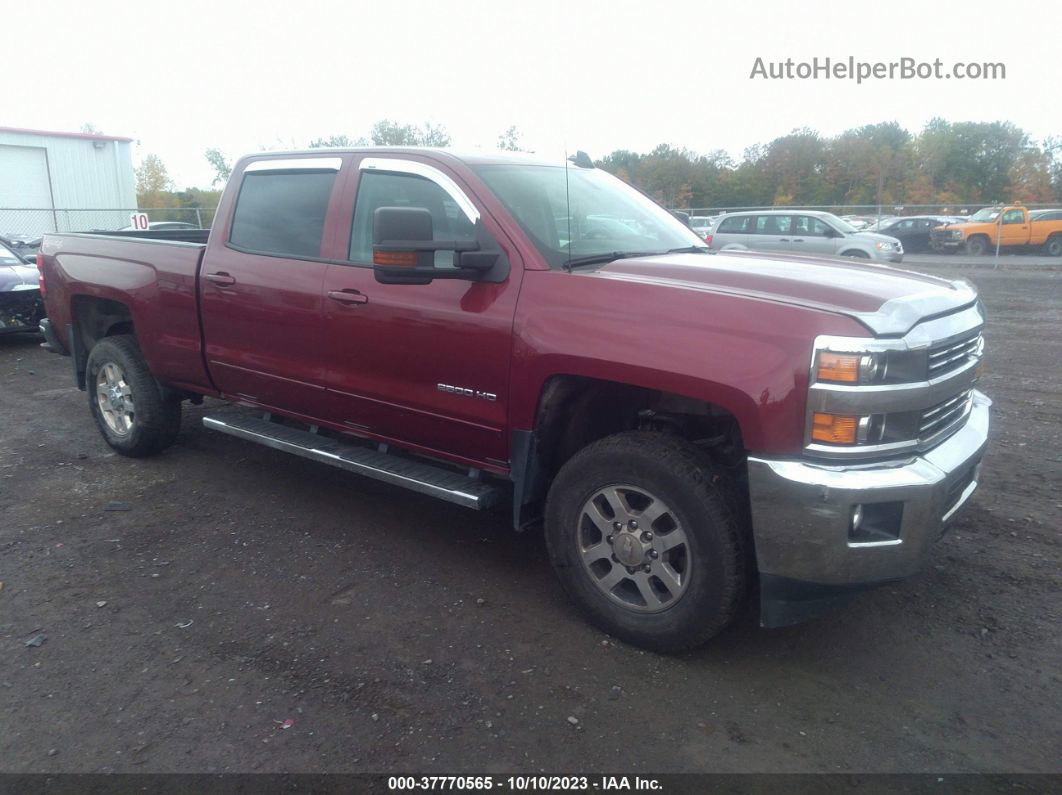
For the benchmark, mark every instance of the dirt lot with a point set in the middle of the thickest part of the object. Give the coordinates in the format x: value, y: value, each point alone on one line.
x: 242, y: 588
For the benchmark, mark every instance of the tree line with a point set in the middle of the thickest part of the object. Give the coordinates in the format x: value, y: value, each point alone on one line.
x: 946, y: 164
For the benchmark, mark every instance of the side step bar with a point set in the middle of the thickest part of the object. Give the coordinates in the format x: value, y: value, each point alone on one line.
x: 415, y: 475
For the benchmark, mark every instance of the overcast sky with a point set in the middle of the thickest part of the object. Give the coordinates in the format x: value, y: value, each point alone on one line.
x: 180, y: 77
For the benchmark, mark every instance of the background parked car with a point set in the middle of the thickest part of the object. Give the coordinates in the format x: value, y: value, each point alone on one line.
x: 804, y: 232
x: 21, y: 308
x: 913, y: 231
x: 702, y: 224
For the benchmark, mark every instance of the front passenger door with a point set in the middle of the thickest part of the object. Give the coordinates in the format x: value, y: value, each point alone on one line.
x: 810, y: 236
x: 426, y: 366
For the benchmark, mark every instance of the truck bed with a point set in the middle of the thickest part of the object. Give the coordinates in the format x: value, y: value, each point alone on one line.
x: 154, y: 278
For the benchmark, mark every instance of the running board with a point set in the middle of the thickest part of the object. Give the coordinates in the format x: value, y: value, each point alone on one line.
x: 414, y: 475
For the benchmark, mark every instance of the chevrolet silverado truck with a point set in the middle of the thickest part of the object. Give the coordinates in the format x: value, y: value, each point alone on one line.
x: 687, y: 428
x: 1014, y: 227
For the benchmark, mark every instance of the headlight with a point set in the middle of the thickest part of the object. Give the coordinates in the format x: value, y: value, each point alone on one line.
x: 883, y: 246
x: 850, y: 368
x: 955, y: 232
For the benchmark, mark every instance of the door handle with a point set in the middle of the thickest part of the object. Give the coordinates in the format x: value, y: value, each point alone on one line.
x: 783, y: 240
x: 798, y: 240
x: 348, y: 296
x: 220, y: 278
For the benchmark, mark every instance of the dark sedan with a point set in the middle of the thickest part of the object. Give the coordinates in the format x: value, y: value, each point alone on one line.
x: 913, y: 231
x: 21, y: 308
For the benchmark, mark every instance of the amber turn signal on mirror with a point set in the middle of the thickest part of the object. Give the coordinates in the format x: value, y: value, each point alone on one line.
x: 403, y: 259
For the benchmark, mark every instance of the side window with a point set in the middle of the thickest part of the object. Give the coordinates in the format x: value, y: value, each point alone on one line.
x: 1014, y: 217
x: 282, y: 212
x: 773, y: 224
x: 381, y: 189
x: 808, y: 226
x: 904, y: 226
x: 735, y: 226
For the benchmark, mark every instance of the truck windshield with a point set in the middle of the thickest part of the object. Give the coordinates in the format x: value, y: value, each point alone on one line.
x: 590, y: 214
x: 987, y: 214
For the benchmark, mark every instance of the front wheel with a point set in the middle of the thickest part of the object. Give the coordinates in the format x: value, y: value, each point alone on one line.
x: 133, y: 417
x: 976, y: 246
x: 645, y: 534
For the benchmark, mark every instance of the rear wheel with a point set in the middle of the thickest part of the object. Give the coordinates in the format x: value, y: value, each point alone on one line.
x: 977, y: 246
x: 645, y: 535
x: 133, y: 417
x: 1053, y: 246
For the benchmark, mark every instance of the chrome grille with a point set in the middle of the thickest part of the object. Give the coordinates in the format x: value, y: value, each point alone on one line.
x: 944, y: 358
x: 945, y: 414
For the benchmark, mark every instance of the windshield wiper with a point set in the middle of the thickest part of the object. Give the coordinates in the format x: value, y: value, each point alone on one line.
x: 610, y: 256
x: 690, y: 250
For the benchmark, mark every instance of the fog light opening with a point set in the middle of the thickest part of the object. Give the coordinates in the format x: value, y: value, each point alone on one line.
x: 857, y: 519
x: 875, y: 524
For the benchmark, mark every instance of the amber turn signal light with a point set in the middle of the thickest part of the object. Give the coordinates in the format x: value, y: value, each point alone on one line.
x: 837, y: 367
x: 403, y: 259
x: 833, y: 428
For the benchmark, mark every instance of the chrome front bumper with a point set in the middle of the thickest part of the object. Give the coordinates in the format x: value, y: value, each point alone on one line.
x: 802, y: 515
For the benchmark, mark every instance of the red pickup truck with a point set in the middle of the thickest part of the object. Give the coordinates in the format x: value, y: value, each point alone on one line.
x: 687, y: 427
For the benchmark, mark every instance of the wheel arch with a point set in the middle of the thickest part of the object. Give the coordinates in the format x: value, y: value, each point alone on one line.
x: 574, y: 411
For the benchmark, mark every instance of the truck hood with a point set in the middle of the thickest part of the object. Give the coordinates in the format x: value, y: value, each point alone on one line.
x: 887, y: 300
x: 17, y: 277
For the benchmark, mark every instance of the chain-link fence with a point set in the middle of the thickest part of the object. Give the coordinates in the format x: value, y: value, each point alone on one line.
x: 868, y: 212
x: 29, y: 224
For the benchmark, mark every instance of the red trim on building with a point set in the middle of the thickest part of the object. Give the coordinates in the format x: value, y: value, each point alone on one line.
x: 89, y: 136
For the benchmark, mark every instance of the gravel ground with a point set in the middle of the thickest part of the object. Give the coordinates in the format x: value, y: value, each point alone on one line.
x: 224, y: 607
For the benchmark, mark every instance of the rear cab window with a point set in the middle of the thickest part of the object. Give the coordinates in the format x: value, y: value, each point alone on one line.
x: 281, y: 208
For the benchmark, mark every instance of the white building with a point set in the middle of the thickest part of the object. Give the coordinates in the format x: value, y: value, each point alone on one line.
x: 60, y: 181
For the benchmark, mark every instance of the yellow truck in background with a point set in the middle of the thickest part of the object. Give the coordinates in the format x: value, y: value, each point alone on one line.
x: 1016, y: 227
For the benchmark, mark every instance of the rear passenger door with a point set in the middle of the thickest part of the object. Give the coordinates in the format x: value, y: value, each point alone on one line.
x: 771, y: 233
x: 260, y: 285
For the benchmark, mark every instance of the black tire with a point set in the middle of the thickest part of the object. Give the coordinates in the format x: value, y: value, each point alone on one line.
x: 977, y: 246
x: 1053, y: 246
x: 703, y: 502
x: 856, y: 254
x: 154, y: 422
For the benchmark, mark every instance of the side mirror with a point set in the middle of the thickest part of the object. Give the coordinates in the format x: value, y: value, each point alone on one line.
x: 403, y: 249
x: 831, y: 232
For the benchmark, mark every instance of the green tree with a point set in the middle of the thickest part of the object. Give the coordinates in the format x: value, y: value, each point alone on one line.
x: 392, y: 133
x: 153, y: 183
x: 222, y: 167
x: 509, y: 140
x: 339, y: 141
